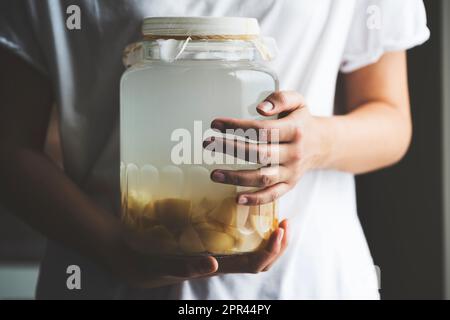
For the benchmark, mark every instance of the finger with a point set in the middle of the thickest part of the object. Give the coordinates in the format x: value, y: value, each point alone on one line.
x: 270, y: 252
x: 281, y: 103
x: 183, y: 267
x: 261, y: 178
x: 284, y: 242
x: 274, y: 252
x: 264, y: 196
x: 285, y: 226
x: 252, y: 262
x: 265, y: 154
x: 273, y: 131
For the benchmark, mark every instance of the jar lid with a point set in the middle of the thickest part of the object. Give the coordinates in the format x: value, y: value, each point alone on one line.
x: 201, y: 27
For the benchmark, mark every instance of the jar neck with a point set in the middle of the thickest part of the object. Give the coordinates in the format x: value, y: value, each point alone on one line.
x: 200, y: 49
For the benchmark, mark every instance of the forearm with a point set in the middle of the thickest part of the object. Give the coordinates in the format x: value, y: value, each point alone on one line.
x: 373, y: 136
x: 34, y: 189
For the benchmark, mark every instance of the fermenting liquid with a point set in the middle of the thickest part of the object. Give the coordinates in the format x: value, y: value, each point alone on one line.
x: 168, y: 198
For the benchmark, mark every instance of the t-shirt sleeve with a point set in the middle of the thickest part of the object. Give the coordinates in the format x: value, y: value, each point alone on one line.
x: 381, y: 26
x: 17, y: 33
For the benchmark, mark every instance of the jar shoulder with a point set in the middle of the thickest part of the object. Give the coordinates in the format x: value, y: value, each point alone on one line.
x: 183, y: 66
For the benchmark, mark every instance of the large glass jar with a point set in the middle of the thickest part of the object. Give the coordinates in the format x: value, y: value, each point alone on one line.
x: 186, y: 73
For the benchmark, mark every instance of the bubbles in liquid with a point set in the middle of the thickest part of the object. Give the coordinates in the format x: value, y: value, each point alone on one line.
x: 149, y: 180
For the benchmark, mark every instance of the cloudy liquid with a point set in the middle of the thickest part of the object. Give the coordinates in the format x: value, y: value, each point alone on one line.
x: 179, y: 201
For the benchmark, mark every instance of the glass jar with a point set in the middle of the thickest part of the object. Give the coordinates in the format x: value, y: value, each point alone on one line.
x: 186, y: 73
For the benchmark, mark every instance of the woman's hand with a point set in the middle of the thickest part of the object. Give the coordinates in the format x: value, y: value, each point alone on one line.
x: 150, y: 271
x: 260, y: 261
x: 288, y: 147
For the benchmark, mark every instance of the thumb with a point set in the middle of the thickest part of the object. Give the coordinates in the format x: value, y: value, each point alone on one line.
x: 188, y: 267
x: 281, y: 102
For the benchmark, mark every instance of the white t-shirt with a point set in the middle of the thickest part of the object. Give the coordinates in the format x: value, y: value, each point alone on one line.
x: 328, y: 257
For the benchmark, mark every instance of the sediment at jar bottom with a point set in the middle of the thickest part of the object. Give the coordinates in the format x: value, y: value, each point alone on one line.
x: 185, y: 227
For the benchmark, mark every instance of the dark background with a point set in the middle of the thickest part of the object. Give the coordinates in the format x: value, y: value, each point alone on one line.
x: 401, y: 209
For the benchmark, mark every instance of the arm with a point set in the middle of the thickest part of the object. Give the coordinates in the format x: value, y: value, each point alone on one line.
x: 37, y: 191
x: 31, y: 186
x: 375, y: 133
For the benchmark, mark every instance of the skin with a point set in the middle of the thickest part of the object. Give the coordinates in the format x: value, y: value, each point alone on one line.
x: 37, y: 191
x: 375, y: 133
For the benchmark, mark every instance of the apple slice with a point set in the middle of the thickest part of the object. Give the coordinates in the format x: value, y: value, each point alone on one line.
x: 213, y: 237
x: 225, y: 212
x: 243, y: 222
x: 164, y: 240
x: 200, y: 210
x: 156, y: 240
x: 249, y: 243
x: 173, y: 213
x: 148, y: 217
x: 133, y: 209
x: 216, y: 242
x: 263, y: 225
x: 134, y: 204
x: 268, y: 209
x: 229, y: 213
x: 262, y: 219
x: 190, y: 241
x: 209, y: 225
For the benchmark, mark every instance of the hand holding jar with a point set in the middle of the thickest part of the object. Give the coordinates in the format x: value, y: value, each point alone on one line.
x: 150, y: 271
x: 296, y: 144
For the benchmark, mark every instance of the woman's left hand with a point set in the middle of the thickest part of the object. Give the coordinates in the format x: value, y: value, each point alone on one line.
x: 287, y: 147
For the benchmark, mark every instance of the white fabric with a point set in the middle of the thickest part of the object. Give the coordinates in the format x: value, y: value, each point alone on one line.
x: 328, y: 257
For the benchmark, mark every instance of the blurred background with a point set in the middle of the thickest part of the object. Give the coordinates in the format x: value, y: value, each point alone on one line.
x: 405, y: 210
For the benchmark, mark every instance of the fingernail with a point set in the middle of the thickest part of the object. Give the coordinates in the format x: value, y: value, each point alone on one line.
x: 208, y: 142
x: 280, y: 235
x: 242, y: 200
x: 266, y: 106
x: 217, y: 125
x: 218, y: 176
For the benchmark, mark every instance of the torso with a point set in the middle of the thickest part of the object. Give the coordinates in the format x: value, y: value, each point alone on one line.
x: 328, y: 255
